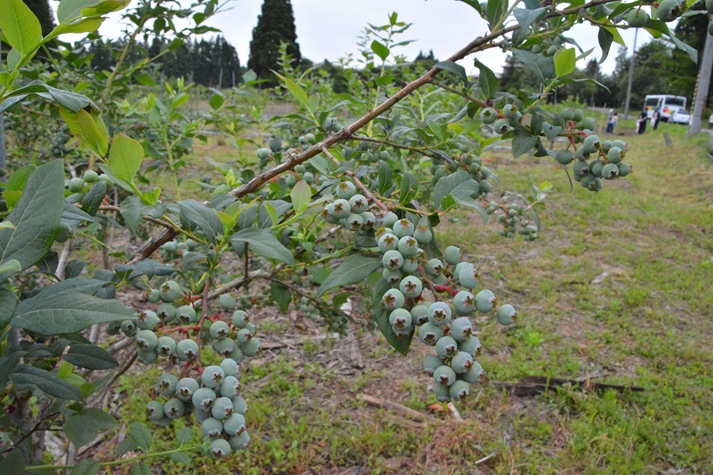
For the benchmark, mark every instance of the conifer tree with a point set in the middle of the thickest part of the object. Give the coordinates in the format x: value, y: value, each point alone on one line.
x: 42, y: 11
x: 276, y: 24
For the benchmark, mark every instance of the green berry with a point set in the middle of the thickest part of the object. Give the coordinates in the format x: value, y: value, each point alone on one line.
x: 220, y: 448
x: 244, y: 336
x: 234, y: 425
x: 452, y: 255
x: 610, y: 171
x: 464, y: 303
x: 431, y: 363
x: 355, y: 222
x: 393, y: 299
x: 637, y: 17
x: 564, y: 157
x: 147, y: 357
x: 223, y: 346
x: 592, y: 144
x: 459, y: 390
x: 389, y: 220
x: 410, y: 265
x: 186, y: 314
x: 411, y: 287
x: 346, y: 190
x: 403, y: 227
x: 469, y: 277
x: 170, y: 291
x: 392, y: 276
x: 400, y: 319
x: 462, y: 362
x: 439, y: 314
x: 388, y: 242
x: 342, y: 209
x: 203, y: 398
x: 446, y: 347
x: 252, y: 348
x: 222, y: 408
x: 240, y: 319
x: 62, y: 232
x: 669, y: 10
x: 240, y: 442
x: 510, y: 111
x: 501, y: 126
x: 264, y: 153
x: 229, y: 367
x: 423, y: 234
x: 76, y: 185
x: 471, y: 346
x: 434, y: 267
x: 506, y: 314
x: 419, y: 314
x: 625, y: 168
x: 166, y: 312
x: 146, y: 340
x: 475, y: 375
x: 128, y: 327
x: 227, y: 302
x: 186, y: 350
x: 485, y: 301
x: 147, y: 320
x: 230, y: 386
x: 154, y: 410
x: 392, y: 260
x: 461, y: 329
x: 166, y: 384
x: 153, y: 295
x: 237, y: 355
x: 212, y: 376
x: 614, y: 155
x: 174, y: 408
x: 185, y: 389
x: 369, y: 220
x: 219, y: 330
x: 408, y: 246
x: 580, y: 168
x: 358, y: 203
x: 444, y: 376
x: 240, y: 406
x: 429, y: 333
x: 488, y: 115
x: 211, y: 428
x: 442, y: 393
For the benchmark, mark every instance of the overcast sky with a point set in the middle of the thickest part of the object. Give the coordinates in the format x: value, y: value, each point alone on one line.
x: 328, y: 29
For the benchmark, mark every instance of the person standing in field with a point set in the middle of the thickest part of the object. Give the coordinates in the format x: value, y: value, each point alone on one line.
x: 656, y: 118
x: 614, y: 121
x: 643, y: 117
x: 610, y: 121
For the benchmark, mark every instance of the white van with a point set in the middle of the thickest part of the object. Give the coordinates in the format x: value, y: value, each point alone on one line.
x: 667, y: 104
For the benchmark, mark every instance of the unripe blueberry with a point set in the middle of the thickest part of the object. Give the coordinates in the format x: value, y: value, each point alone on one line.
x: 400, y: 319
x: 403, y: 227
x: 62, y: 232
x: 460, y: 266
x: 434, y: 267
x: 345, y: 190
x: 410, y: 265
x: 230, y: 386
x: 589, y: 123
x: 369, y: 220
x: 252, y: 348
x: 240, y: 406
x: 610, y: 171
x: 488, y: 115
x: 564, y: 157
x: 431, y: 363
x: 234, y: 425
x: 186, y: 350
x: 240, y: 319
x: 471, y: 346
x: 429, y: 333
x: 203, y: 398
x: 423, y: 234
x: 174, y: 408
x: 146, y: 340
x: 393, y: 299
x: 170, y: 291
x: 408, y: 246
x: 501, y: 126
x: 459, y: 390
x: 392, y: 276
x: 358, y: 203
x: 76, y: 185
x: 355, y: 222
x: 154, y: 410
x: 475, y: 375
x: 186, y: 314
x: 592, y: 144
x: 388, y: 242
x: 419, y: 314
x: 220, y: 448
x: 227, y: 302
x: 510, y: 111
x: 464, y: 303
x: 442, y: 393
x: 224, y: 346
x: 166, y: 312
x: 452, y: 255
x: 637, y: 17
x: 446, y: 347
x: 614, y: 155
x: 264, y: 153
x: 212, y: 377
x: 389, y: 219
x: 237, y: 355
x: 625, y: 168
x: 219, y: 330
x: 439, y: 313
x: 147, y: 320
x: 185, y: 389
x: 461, y: 329
x: 240, y: 442
x: 485, y: 301
x: 506, y: 314
x: 580, y: 168
x: 229, y: 367
x: 462, y: 362
x: 128, y: 327
x: 411, y: 287
x: 153, y: 295
x: 222, y: 408
x: 669, y: 10
x: 166, y: 384
x: 90, y: 176
x: 147, y: 357
x: 211, y: 428
x: 582, y: 154
x: 342, y: 209
x: 444, y: 376
x: 244, y: 336
x: 392, y: 260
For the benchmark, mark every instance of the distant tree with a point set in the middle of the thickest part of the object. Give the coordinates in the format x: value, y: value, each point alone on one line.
x: 276, y: 24
x: 42, y: 11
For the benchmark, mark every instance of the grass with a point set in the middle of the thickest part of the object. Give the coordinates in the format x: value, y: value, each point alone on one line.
x: 647, y: 323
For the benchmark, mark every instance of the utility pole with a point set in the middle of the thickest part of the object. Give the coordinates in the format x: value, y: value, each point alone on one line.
x: 631, y: 76
x: 704, y: 79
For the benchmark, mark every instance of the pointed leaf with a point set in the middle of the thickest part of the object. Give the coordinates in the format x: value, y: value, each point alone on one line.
x: 125, y: 158
x: 46, y: 382
x: 20, y: 27
x: 301, y: 195
x: 453, y: 67
x: 400, y: 344
x: 265, y: 244
x: 353, y: 270
x: 90, y: 357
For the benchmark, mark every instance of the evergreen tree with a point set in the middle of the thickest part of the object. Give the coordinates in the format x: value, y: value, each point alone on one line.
x: 276, y: 24
x: 41, y: 9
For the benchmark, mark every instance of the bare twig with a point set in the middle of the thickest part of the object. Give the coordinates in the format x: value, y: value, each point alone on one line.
x: 394, y: 406
x: 204, y: 314
x: 458, y: 93
x: 63, y: 257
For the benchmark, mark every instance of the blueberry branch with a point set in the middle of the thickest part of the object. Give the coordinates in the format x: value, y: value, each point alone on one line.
x: 356, y: 180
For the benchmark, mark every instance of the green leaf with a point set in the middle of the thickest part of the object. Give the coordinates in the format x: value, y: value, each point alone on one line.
x: 70, y: 10
x: 489, y: 83
x: 228, y: 222
x: 35, y: 217
x: 543, y: 67
x: 140, y: 434
x: 565, y: 62
x: 453, y: 67
x: 133, y: 210
x: 67, y: 307
x: 216, y: 101
x: 301, y: 195
x: 85, y: 25
x: 204, y: 217
x: 551, y: 131
x: 400, y: 344
x: 380, y: 50
x: 385, y: 180
x: 282, y: 295
x: 181, y: 457
x: 272, y: 212
x: 409, y: 188
x: 265, y: 244
x: 13, y: 463
x: 125, y: 158
x: 16, y: 185
x: 45, y: 381
x: 86, y: 467
x: 296, y: 90
x: 495, y: 11
x: 353, y: 270
x: 94, y: 198
x: 526, y: 17
x: 462, y: 195
x: 141, y: 469
x: 522, y: 142
x: 20, y: 27
x: 8, y: 304
x: 128, y: 445
x: 184, y: 436
x: 447, y: 184
x: 93, y: 132
x: 145, y: 80
x: 84, y: 427
x: 90, y: 357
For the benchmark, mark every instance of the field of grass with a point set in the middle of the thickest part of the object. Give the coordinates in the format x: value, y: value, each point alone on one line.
x: 618, y: 289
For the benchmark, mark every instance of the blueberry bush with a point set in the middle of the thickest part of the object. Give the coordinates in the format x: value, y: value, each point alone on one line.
x: 345, y: 191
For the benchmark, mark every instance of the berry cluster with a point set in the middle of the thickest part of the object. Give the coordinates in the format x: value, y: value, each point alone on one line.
x: 406, y: 268
x: 212, y: 396
x: 349, y: 209
x: 57, y: 148
x: 605, y: 161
